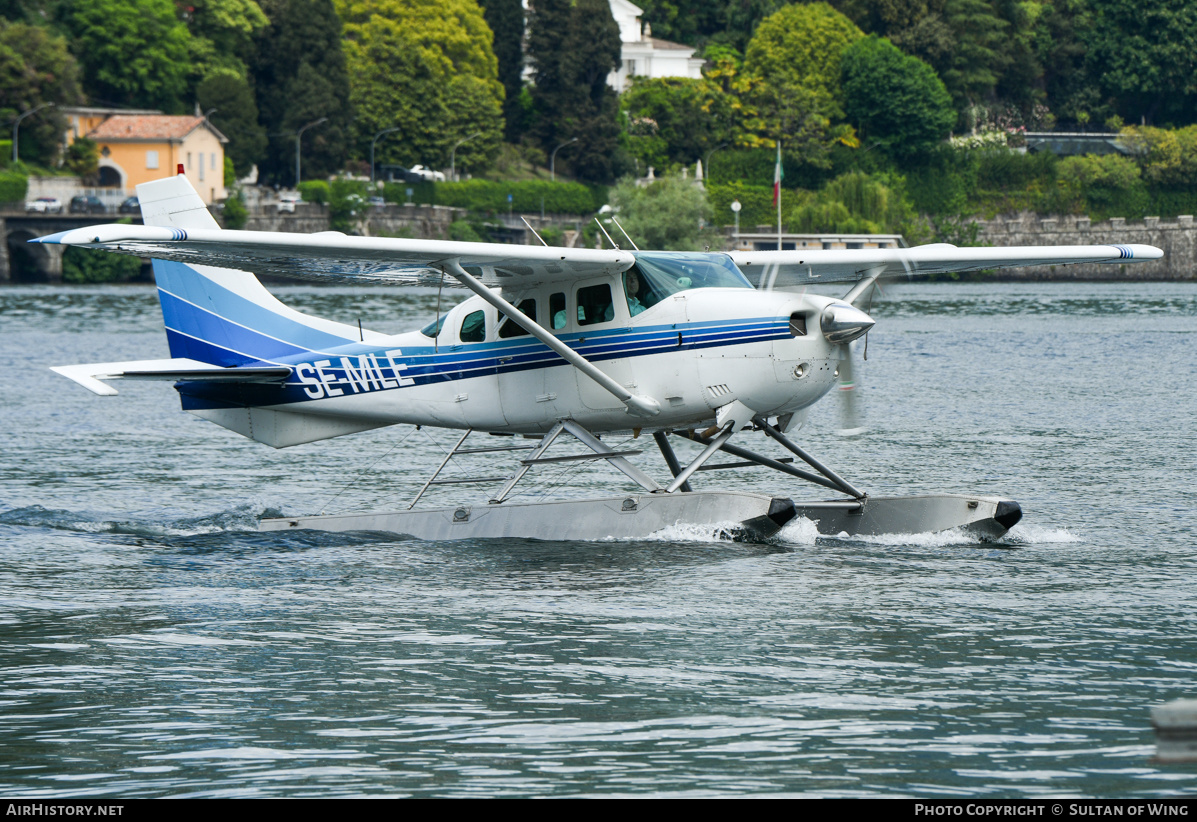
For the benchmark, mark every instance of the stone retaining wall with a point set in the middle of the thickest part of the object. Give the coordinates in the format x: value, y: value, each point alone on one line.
x: 1177, y: 237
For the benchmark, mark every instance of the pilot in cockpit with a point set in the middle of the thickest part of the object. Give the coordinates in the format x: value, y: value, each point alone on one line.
x: 631, y: 284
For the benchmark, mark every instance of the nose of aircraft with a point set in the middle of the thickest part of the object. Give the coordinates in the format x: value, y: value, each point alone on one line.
x: 843, y: 323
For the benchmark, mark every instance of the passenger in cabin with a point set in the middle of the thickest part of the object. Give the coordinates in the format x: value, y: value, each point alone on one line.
x: 631, y: 284
x: 595, y: 304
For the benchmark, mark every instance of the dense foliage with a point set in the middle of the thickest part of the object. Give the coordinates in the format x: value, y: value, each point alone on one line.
x: 883, y: 108
x: 670, y: 214
x: 300, y: 75
x: 426, y: 68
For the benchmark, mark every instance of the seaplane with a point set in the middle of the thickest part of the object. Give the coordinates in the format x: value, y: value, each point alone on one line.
x: 556, y: 345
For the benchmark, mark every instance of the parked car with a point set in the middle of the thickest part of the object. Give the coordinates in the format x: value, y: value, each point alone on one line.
x: 87, y: 204
x: 287, y: 202
x: 428, y: 174
x: 377, y: 201
x: 130, y: 206
x: 44, y: 205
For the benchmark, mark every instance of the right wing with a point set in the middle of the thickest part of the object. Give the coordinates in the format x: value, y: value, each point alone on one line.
x: 788, y: 269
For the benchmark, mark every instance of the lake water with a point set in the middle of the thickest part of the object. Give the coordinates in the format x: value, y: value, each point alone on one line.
x: 154, y: 645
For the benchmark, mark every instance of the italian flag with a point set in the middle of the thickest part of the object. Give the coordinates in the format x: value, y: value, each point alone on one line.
x: 777, y: 175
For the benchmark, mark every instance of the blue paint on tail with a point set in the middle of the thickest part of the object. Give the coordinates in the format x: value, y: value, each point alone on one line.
x: 207, y: 322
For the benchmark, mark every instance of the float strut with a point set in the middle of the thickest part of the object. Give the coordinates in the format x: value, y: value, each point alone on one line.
x: 839, y: 481
x: 670, y: 458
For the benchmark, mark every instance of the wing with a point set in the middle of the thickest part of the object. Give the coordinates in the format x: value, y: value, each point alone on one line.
x: 781, y: 269
x: 331, y: 254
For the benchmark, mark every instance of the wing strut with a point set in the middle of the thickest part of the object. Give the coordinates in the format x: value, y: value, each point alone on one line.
x: 639, y: 406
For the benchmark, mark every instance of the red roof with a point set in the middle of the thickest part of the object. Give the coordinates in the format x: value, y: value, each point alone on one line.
x: 147, y: 127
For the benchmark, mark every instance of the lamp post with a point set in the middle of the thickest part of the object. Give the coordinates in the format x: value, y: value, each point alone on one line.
x: 735, y: 207
x: 553, y: 159
x: 706, y: 166
x: 299, y: 141
x: 372, y: 142
x: 453, y: 155
x: 16, y: 127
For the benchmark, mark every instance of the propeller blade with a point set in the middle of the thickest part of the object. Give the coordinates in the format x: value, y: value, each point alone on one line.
x: 851, y: 424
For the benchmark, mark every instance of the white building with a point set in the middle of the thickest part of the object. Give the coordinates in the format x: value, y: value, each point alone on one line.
x: 646, y: 56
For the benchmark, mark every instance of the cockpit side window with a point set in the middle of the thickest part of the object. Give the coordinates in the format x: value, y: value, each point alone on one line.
x: 511, y: 329
x: 473, y: 327
x: 595, y: 304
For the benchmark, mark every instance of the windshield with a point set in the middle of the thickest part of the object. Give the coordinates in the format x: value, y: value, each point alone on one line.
x: 668, y: 272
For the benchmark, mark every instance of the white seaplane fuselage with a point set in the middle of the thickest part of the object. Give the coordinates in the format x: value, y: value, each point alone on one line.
x: 692, y: 352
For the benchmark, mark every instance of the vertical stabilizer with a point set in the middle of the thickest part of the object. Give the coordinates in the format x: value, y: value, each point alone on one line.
x: 173, y: 202
x: 224, y: 316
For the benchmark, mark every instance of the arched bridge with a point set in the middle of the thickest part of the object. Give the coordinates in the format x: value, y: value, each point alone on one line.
x: 23, y: 262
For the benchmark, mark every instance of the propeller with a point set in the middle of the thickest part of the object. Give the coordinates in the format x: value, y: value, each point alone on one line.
x: 850, y: 419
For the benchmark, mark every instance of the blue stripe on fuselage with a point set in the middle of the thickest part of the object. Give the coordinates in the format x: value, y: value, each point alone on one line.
x: 425, y: 365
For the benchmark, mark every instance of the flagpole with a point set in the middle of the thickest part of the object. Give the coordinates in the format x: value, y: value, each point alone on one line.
x: 778, y: 175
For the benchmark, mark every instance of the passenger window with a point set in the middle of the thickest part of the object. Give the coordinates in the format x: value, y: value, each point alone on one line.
x: 473, y: 327
x: 595, y: 304
x: 512, y: 329
x: 557, y: 309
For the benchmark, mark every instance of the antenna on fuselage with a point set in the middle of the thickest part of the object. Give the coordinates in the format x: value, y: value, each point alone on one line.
x: 614, y: 244
x: 624, y: 232
x: 533, y: 230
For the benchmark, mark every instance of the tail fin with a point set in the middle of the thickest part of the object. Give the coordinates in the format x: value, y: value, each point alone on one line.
x: 219, y: 315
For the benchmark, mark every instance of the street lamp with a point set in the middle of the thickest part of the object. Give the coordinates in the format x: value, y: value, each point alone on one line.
x: 372, y: 142
x: 735, y: 207
x: 16, y: 127
x: 453, y: 155
x: 706, y: 166
x: 553, y: 159
x: 298, y: 141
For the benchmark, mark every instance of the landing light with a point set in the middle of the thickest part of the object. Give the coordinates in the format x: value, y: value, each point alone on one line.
x: 843, y: 323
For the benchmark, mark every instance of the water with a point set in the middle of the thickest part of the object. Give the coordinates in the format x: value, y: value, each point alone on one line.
x: 154, y: 645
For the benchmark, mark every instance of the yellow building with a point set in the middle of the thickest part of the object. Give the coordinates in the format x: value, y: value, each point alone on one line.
x: 139, y: 146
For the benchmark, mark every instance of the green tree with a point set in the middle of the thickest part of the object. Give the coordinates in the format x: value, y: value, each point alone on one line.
x: 426, y: 68
x: 571, y: 95
x: 1168, y: 158
x: 675, y: 120
x: 83, y: 157
x: 132, y: 52
x: 506, y: 20
x: 897, y: 103
x: 793, y: 70
x: 670, y: 215
x: 236, y: 117
x: 1144, y: 55
x: 976, y: 61
x: 300, y: 76
x: 222, y: 35
x: 854, y: 203
x: 36, y: 68
x: 1059, y: 37
x: 797, y: 51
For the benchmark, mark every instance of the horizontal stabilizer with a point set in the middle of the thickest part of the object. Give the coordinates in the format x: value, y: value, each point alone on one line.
x: 89, y: 375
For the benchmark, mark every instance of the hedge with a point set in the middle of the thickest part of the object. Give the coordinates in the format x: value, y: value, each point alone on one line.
x: 314, y: 191
x: 13, y: 187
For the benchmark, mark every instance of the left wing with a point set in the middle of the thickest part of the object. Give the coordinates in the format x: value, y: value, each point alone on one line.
x: 331, y: 254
